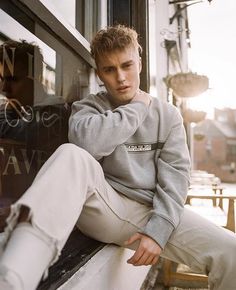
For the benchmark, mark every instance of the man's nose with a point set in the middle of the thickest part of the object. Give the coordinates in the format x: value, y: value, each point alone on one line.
x: 120, y: 75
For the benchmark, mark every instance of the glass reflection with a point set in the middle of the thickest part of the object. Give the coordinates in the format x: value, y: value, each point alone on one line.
x: 44, y: 62
x: 29, y: 133
x: 39, y: 78
x: 33, y: 112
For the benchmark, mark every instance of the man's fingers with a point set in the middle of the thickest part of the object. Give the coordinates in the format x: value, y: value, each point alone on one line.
x: 137, y: 255
x: 142, y: 97
x: 140, y: 256
x: 143, y: 259
x: 146, y: 260
x: 149, y: 260
x: 154, y: 260
x: 147, y: 252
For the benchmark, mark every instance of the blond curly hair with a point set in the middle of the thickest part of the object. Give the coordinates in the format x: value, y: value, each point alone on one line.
x: 113, y: 38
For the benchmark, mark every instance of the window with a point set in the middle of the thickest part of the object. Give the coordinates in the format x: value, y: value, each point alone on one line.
x: 38, y: 84
x: 87, y: 16
x: 231, y: 149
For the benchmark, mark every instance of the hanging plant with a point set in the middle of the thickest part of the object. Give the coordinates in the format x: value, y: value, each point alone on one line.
x: 186, y: 85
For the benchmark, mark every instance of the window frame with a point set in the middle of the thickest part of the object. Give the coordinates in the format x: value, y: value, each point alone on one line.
x: 59, y: 27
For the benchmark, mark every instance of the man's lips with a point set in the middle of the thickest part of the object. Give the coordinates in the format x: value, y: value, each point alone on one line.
x: 123, y: 88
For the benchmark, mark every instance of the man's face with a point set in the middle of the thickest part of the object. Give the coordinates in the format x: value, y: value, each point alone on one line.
x: 119, y: 71
x: 19, y: 86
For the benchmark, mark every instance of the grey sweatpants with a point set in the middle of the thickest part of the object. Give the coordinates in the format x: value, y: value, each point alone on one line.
x: 71, y: 189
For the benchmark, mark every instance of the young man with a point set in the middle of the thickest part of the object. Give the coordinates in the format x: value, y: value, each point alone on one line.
x: 133, y: 195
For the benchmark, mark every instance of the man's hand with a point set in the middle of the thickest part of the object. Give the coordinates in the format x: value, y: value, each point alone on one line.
x: 147, y: 252
x: 141, y: 96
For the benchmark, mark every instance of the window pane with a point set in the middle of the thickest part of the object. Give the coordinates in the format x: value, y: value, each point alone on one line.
x: 44, y: 62
x: 87, y: 16
x: 39, y: 79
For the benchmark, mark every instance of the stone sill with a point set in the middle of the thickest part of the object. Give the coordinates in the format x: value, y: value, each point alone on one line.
x: 108, y: 270
x: 86, y: 264
x: 77, y: 251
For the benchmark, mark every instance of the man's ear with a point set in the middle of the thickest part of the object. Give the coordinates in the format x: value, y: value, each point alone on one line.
x: 140, y: 64
x: 100, y: 81
x: 97, y: 73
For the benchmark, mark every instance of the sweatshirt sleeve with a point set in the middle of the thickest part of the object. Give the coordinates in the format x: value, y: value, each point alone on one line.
x: 100, y: 131
x: 172, y: 184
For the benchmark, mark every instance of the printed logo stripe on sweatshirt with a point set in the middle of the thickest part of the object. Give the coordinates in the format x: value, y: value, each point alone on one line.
x: 141, y: 147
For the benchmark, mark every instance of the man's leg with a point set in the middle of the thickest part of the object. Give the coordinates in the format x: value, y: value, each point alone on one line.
x: 196, y: 242
x: 27, y: 255
x: 52, y: 206
x: 112, y: 217
x: 206, y: 248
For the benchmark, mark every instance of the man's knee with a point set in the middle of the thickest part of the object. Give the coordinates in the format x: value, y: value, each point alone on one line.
x: 72, y: 152
x: 69, y: 148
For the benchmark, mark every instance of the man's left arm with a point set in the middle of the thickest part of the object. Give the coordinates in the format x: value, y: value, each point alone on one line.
x: 173, y: 167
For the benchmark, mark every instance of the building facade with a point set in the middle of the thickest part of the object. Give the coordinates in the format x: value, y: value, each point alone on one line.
x: 60, y: 70
x: 215, y: 145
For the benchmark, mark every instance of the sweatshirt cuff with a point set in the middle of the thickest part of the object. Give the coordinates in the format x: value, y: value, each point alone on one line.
x: 159, y: 229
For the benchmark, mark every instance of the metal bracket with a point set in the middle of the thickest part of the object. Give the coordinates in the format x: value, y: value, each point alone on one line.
x: 178, y: 11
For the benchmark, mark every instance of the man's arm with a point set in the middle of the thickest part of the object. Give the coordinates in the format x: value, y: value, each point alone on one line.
x: 173, y: 174
x: 171, y: 190
x: 100, y: 131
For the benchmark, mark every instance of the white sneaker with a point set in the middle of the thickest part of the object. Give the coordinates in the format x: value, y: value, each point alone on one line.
x: 17, y: 262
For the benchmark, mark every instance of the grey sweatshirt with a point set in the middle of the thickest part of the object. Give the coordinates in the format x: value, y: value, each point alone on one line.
x: 142, y: 151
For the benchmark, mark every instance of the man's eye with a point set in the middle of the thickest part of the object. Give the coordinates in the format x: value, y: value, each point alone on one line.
x: 109, y: 69
x: 127, y: 65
